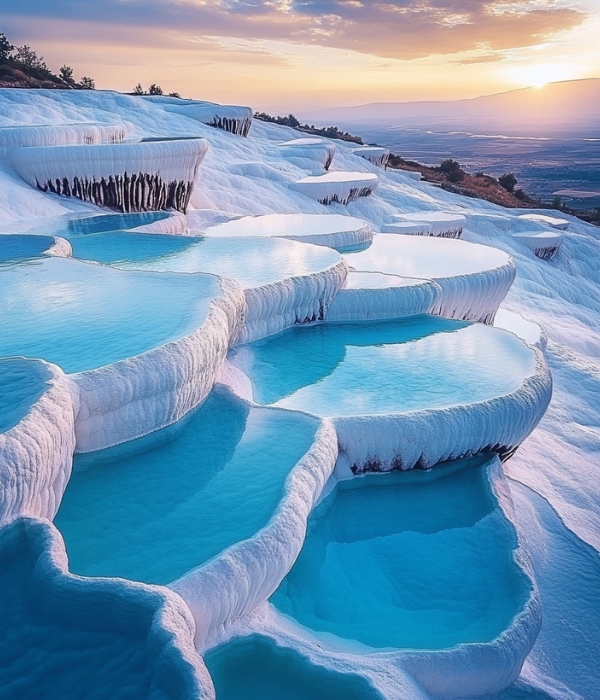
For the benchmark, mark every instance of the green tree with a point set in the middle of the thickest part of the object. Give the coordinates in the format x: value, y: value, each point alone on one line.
x: 88, y: 83
x: 508, y: 181
x: 449, y: 166
x: 66, y: 74
x: 28, y: 57
x: 138, y: 89
x: 175, y: 94
x: 155, y: 90
x: 6, y: 48
x: 557, y: 203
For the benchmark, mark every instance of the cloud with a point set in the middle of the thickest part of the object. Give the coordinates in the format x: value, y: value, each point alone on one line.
x: 404, y: 29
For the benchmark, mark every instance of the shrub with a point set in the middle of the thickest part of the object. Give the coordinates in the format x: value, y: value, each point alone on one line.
x: 508, y: 181
x: 449, y: 166
x: 456, y: 175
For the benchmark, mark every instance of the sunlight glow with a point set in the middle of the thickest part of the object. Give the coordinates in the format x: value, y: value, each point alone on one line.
x: 539, y: 74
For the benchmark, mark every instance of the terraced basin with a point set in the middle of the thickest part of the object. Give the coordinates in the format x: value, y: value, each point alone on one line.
x: 306, y: 152
x: 544, y: 245
x: 417, y: 560
x: 340, y: 187
x: 474, y: 279
x: 143, y: 347
x: 369, y: 296
x: 286, y: 282
x: 545, y: 220
x: 255, y: 668
x: 155, y: 508
x: 408, y: 392
x: 438, y: 223
x: 333, y: 230
x: 374, y: 154
x: 81, y: 316
x: 67, y: 637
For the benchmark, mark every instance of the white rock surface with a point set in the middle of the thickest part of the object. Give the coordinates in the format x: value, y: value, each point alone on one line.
x: 339, y: 187
x: 374, y: 154
x: 36, y: 453
x: 531, y: 333
x: 443, y: 224
x: 474, y: 279
x: 126, y: 177
x: 545, y: 220
x: 370, y: 296
x: 307, y: 152
x: 544, y: 245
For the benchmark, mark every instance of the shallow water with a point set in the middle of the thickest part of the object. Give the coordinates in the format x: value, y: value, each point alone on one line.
x: 419, y: 560
x: 22, y: 383
x: 71, y: 226
x: 255, y: 668
x: 389, y: 367
x: 155, y: 508
x: 286, y: 225
x: 41, y: 658
x: 20, y: 246
x: 82, y: 316
x: 252, y: 261
x: 425, y: 256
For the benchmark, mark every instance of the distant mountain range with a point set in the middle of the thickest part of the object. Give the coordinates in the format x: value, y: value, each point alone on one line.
x: 557, y: 107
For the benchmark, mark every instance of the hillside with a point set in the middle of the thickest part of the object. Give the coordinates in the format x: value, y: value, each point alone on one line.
x: 21, y: 67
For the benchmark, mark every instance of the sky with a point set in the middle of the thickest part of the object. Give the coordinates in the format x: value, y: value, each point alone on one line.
x: 286, y: 55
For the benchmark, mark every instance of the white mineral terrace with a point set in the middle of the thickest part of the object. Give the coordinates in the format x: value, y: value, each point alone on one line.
x: 62, y: 134
x: 340, y: 187
x: 545, y: 220
x: 474, y: 279
x: 125, y: 177
x: 443, y: 224
x: 322, y: 511
x: 306, y: 152
x: 374, y: 154
x: 148, y: 353
x: 370, y: 296
x: 333, y: 230
x: 409, y: 228
x: 236, y: 120
x: 381, y: 385
x: 545, y: 245
x: 285, y: 282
